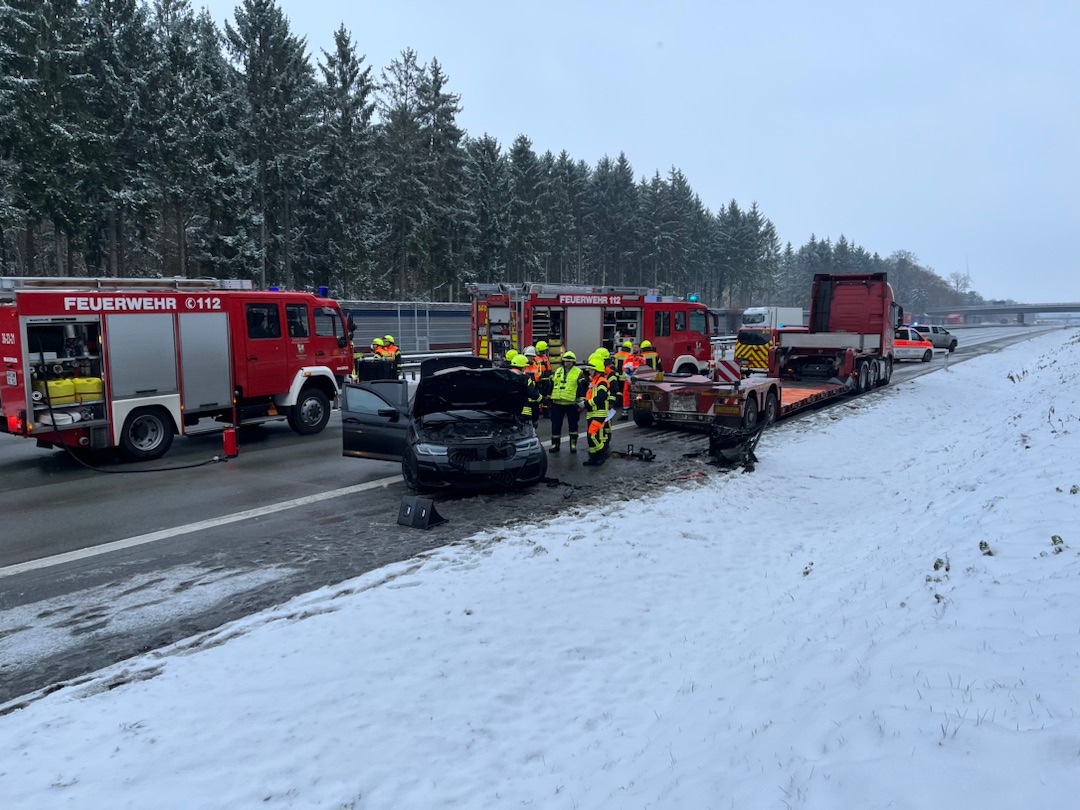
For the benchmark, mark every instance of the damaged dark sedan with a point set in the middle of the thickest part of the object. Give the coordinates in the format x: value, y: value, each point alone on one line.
x: 463, y: 427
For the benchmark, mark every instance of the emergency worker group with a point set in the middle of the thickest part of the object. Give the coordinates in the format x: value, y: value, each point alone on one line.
x: 563, y: 391
x: 382, y: 349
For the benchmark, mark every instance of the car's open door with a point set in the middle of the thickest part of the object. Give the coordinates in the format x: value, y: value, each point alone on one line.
x: 375, y: 419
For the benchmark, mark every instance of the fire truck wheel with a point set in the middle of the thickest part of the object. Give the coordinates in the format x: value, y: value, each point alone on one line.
x: 772, y: 409
x: 643, y: 418
x: 750, y: 412
x: 147, y: 434
x: 311, y: 412
x: 686, y: 368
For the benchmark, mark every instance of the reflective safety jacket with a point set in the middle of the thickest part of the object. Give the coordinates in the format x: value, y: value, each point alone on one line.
x: 393, y: 352
x: 632, y: 362
x: 564, y: 385
x: 543, y: 378
x: 596, y: 399
x: 531, y: 409
x: 652, y: 358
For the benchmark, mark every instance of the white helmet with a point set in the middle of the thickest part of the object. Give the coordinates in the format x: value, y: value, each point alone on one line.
x: 530, y: 351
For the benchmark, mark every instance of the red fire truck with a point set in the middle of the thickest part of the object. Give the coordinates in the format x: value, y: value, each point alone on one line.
x: 506, y: 316
x: 93, y: 364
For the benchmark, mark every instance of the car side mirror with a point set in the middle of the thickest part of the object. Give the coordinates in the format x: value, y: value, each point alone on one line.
x: 342, y: 342
x: 351, y: 326
x: 390, y: 413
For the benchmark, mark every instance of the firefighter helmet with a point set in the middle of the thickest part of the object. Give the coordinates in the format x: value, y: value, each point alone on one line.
x: 626, y: 344
x: 541, y: 345
x: 377, y: 342
x: 519, y: 361
x: 569, y: 355
x: 389, y: 338
x: 597, y: 363
x: 530, y: 351
x: 646, y: 344
x: 603, y: 352
x: 511, y: 354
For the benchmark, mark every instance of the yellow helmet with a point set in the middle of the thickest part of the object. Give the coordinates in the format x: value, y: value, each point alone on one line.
x: 519, y: 361
x: 389, y: 338
x: 377, y: 342
x: 626, y: 344
x: 541, y: 345
x: 569, y: 355
x: 597, y: 363
x: 511, y: 354
x: 646, y: 344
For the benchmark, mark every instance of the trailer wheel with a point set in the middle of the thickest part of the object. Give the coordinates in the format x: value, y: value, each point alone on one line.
x: 928, y: 355
x: 772, y: 409
x: 887, y: 374
x: 147, y: 434
x: 643, y: 418
x: 750, y: 412
x: 864, y: 377
x: 311, y: 412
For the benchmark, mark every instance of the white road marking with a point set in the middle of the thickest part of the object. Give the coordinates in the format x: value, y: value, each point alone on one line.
x: 165, y: 534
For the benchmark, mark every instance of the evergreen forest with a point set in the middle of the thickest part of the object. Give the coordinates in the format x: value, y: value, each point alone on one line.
x: 138, y: 139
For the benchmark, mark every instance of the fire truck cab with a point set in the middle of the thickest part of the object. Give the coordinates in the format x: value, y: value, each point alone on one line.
x: 94, y: 364
x: 508, y: 316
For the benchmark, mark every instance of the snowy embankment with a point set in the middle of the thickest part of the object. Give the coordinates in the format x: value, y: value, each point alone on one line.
x: 883, y: 614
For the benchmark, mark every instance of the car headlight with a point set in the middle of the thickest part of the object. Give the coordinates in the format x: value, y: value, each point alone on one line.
x: 527, y: 444
x: 424, y: 449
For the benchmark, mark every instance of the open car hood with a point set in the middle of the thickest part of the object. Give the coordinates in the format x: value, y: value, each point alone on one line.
x: 465, y: 389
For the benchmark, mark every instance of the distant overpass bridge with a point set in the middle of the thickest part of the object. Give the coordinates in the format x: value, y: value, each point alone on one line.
x: 1019, y: 310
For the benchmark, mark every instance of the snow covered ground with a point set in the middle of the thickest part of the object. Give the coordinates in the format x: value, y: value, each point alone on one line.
x: 884, y: 614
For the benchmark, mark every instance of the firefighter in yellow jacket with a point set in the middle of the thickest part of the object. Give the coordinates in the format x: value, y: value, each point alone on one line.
x: 596, y: 411
x: 564, y: 401
x: 531, y: 409
x: 652, y: 357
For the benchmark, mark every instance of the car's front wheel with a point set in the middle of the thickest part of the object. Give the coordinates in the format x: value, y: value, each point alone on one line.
x: 928, y: 355
x: 410, y: 471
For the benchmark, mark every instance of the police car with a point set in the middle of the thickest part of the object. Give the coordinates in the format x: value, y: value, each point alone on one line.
x: 910, y: 344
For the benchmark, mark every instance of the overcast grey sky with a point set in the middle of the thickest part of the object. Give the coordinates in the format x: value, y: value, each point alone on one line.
x: 948, y: 129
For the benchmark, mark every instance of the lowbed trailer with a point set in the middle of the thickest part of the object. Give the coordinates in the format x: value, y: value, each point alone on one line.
x: 847, y: 349
x: 661, y: 400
